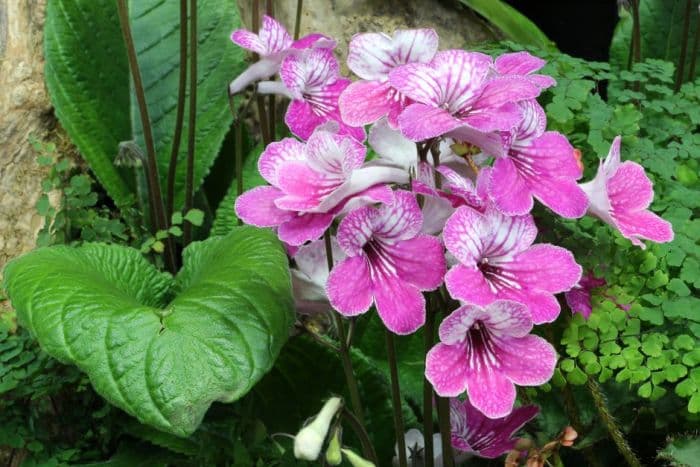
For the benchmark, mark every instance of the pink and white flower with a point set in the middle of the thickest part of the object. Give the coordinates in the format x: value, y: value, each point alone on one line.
x: 487, y: 351
x: 313, y: 82
x: 458, y: 93
x: 310, y: 275
x: 499, y: 261
x: 389, y: 263
x: 620, y: 195
x: 538, y: 164
x: 483, y: 436
x: 372, y: 56
x: 525, y: 64
x: 311, y: 183
x: 273, y: 43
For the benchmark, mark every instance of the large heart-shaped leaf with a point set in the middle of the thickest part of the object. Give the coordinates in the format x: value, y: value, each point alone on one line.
x: 161, y: 348
x: 155, y: 26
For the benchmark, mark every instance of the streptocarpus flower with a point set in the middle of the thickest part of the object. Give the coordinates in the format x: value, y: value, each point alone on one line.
x: 538, y: 164
x: 311, y: 183
x: 499, y: 261
x: 486, y: 351
x: 311, y: 273
x: 579, y: 297
x: 272, y: 44
x: 457, y: 90
x: 312, y: 79
x: 389, y: 263
x: 620, y: 195
x: 483, y: 436
x: 372, y: 56
x: 523, y: 63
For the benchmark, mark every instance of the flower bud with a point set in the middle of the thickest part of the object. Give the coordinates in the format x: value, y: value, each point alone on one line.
x: 333, y: 454
x: 309, y: 441
x: 568, y: 437
x: 355, y: 460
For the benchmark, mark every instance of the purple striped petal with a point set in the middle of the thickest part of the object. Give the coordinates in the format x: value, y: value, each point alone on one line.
x: 546, y: 267
x: 504, y: 89
x: 334, y: 153
x: 274, y: 36
x: 502, y: 118
x: 356, y: 229
x: 417, y: 81
x: 313, y: 68
x: 365, y: 102
x: 400, y: 220
x: 249, y: 41
x: 460, y: 76
x: 301, y: 119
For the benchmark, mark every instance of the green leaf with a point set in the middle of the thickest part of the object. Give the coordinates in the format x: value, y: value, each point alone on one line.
x: 195, y: 217
x: 160, y: 348
x: 155, y: 26
x: 686, y: 307
x: 513, y: 24
x: 682, y: 451
x: 87, y: 76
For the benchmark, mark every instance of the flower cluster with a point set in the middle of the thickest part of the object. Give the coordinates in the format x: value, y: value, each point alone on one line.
x: 462, y: 153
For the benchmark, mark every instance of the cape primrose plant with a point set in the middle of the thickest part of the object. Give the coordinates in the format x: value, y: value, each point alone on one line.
x: 439, y: 224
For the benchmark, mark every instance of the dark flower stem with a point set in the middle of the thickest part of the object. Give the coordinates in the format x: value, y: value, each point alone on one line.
x: 262, y: 114
x: 271, y: 98
x: 428, y: 340
x: 684, y: 45
x: 443, y: 409
x: 156, y: 200
x: 694, y: 53
x: 191, y: 122
x: 361, y: 433
x: 180, y: 113
x: 297, y: 23
x: 396, y: 397
x: 238, y: 155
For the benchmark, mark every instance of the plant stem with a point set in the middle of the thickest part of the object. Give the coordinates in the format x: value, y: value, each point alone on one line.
x: 359, y: 429
x: 191, y: 122
x: 154, y: 190
x: 238, y: 155
x: 297, y: 23
x: 396, y: 397
x: 694, y: 54
x: 684, y: 45
x: 428, y: 339
x: 262, y: 114
x: 443, y: 409
x: 180, y: 113
x: 636, y: 31
x: 609, y: 421
x: 350, y: 379
x: 271, y: 98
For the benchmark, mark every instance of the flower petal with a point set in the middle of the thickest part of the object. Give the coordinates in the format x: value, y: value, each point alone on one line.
x: 370, y: 55
x: 454, y: 328
x: 301, y: 119
x: 335, y: 154
x: 391, y: 146
x: 468, y: 284
x: 400, y: 305
x: 417, y: 81
x: 546, y: 267
x: 543, y: 306
x: 629, y: 189
x: 508, y: 318
x: 643, y: 224
x: 400, y: 220
x: 312, y: 68
x: 420, y: 261
x: 420, y: 121
x: 528, y: 360
x: 490, y: 143
x: 365, y: 102
x: 304, y: 227
x: 518, y: 63
x: 356, y: 229
x: 463, y: 235
x: 414, y: 45
x: 490, y: 391
x: 276, y: 154
x: 262, y: 69
x: 503, y: 118
x: 249, y: 41
x: 460, y: 76
x: 257, y: 207
x: 504, y: 89
x: 445, y: 369
x: 349, y: 288
x: 274, y: 36
x: 561, y: 195
x: 508, y: 190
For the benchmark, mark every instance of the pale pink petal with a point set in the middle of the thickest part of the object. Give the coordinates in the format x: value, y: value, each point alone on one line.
x: 304, y: 227
x: 311, y: 260
x: 508, y: 190
x: 309, y: 69
x: 502, y: 118
x: 469, y: 284
x: 490, y: 391
x: 518, y: 63
x: 454, y: 328
x: 276, y: 154
x: 391, y: 146
x: 420, y: 261
x: 507, y: 318
x: 349, y: 288
x: 418, y: 82
x: 400, y: 305
x: 612, y: 160
x: 400, y: 220
x: 370, y: 55
x: 546, y: 267
x: 490, y: 143
x: 376, y: 194
x: 629, y: 189
x: 361, y: 180
x: 356, y: 229
x: 262, y: 69
x: 301, y: 119
x: 420, y: 121
x: 506, y: 235
x: 460, y: 76
x: 504, y: 89
x: 257, y: 207
x: 446, y: 370
x: 414, y: 45
x: 643, y: 225
x: 528, y: 360
x: 365, y: 102
x: 463, y: 235
x: 334, y: 153
x: 248, y: 40
x: 274, y: 36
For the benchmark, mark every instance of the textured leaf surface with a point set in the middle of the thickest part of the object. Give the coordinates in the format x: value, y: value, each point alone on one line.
x: 162, y: 359
x: 155, y: 25
x: 87, y: 76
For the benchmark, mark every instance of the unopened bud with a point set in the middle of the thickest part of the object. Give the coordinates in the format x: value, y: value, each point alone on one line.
x: 333, y: 454
x: 309, y: 441
x: 568, y: 436
x: 355, y: 460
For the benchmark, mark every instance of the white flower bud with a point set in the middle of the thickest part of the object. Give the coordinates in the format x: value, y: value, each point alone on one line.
x: 309, y: 441
x: 355, y: 460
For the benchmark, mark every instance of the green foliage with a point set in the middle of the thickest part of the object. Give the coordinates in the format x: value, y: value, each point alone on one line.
x: 162, y: 349
x: 513, y: 24
x: 156, y: 243
x: 682, y: 452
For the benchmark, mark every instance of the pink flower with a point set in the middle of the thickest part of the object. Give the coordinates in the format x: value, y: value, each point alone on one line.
x: 313, y: 82
x: 499, y: 261
x: 483, y: 436
x: 389, y: 263
x: 620, y: 195
x: 372, y: 56
x: 522, y: 63
x: 311, y: 183
x: 486, y: 351
x: 457, y: 91
x: 310, y: 275
x: 272, y: 44
x: 538, y: 164
x: 579, y: 297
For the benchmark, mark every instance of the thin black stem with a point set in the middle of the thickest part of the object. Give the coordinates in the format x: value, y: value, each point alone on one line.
x: 297, y: 23
x: 359, y: 429
x: 350, y: 379
x: 443, y: 409
x: 396, y: 397
x: 262, y: 114
x: 694, y: 55
x: 156, y: 199
x: 271, y: 98
x: 238, y: 155
x: 428, y: 340
x: 191, y: 122
x: 684, y: 45
x: 180, y: 112
x: 636, y: 31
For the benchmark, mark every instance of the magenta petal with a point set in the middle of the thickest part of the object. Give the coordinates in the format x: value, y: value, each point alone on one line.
x: 349, y: 288
x: 304, y: 227
x: 469, y: 284
x: 503, y: 118
x: 643, y: 224
x: 490, y: 391
x: 579, y: 300
x: 552, y: 155
x: 248, y: 40
x: 400, y: 220
x: 508, y: 318
x: 420, y: 121
x: 546, y: 267
x: 528, y: 361
x: 420, y: 261
x: 356, y: 229
x: 301, y: 119
x: 257, y: 207
x: 462, y: 235
x: 508, y: 190
x: 446, y: 370
x: 277, y: 153
x: 400, y: 305
x: 518, y: 63
x: 501, y: 90
x: 364, y: 102
x: 561, y: 195
x: 629, y: 189
x: 416, y: 81
x: 543, y: 306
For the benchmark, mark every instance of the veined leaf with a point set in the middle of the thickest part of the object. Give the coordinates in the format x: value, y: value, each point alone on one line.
x: 160, y: 348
